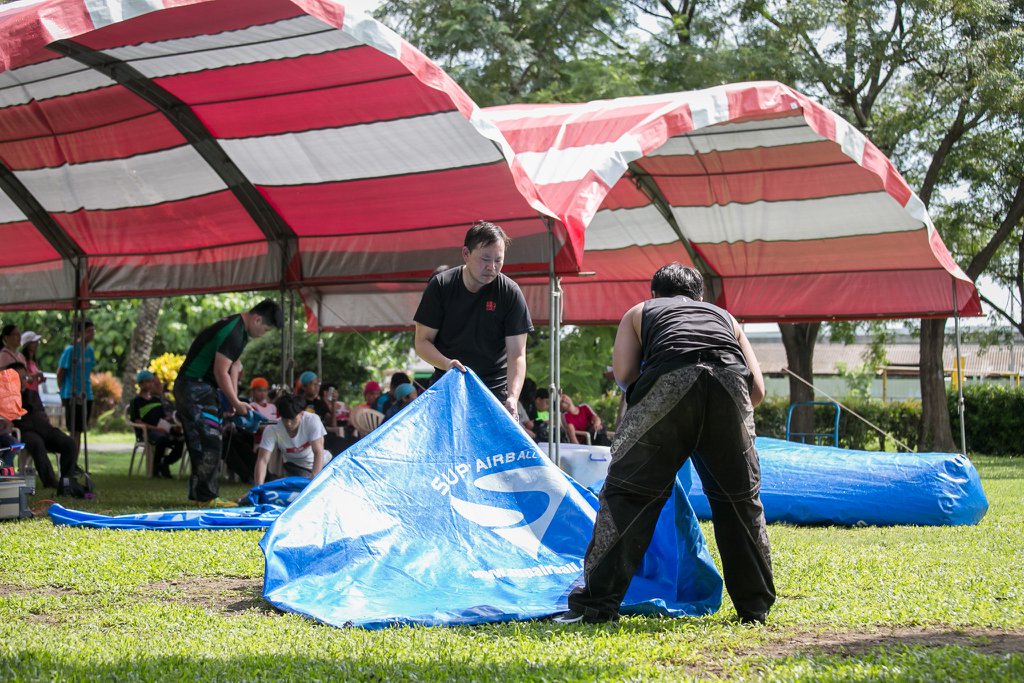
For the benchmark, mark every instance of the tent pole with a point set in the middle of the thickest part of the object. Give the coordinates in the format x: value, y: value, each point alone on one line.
x: 284, y: 341
x: 554, y: 315
x: 319, y: 339
x: 291, y: 337
x: 959, y: 374
x: 78, y: 400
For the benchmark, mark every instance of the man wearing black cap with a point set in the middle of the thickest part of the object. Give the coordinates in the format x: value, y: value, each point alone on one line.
x: 207, y: 368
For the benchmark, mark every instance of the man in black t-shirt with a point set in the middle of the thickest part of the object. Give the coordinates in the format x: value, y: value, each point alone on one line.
x: 473, y: 316
x: 210, y: 365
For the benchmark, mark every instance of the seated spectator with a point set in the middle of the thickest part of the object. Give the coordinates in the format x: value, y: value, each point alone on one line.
x: 329, y: 395
x: 581, y: 418
x: 300, y: 437
x: 404, y: 395
x: 148, y: 408
x: 309, y: 388
x: 10, y: 338
x: 160, y: 391
x: 385, y: 401
x: 40, y: 437
x: 10, y: 410
x: 542, y: 404
x: 29, y: 349
x: 239, y: 445
x: 259, y: 389
x: 309, y: 384
x: 371, y: 392
x: 541, y: 423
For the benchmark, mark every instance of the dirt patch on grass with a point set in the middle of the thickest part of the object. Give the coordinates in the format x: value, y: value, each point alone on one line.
x: 851, y: 644
x: 7, y: 590
x: 985, y: 641
x: 44, y: 619
x: 220, y: 594
x: 228, y: 595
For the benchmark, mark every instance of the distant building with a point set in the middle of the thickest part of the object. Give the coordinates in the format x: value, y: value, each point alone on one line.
x: 900, y: 379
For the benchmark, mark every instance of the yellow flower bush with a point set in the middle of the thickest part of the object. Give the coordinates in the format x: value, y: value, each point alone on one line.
x: 166, y: 368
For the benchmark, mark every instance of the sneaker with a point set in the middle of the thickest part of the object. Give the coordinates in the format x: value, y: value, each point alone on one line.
x: 574, y: 617
x: 216, y: 503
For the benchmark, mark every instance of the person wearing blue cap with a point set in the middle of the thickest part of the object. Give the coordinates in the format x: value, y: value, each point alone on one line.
x: 404, y: 395
x: 313, y: 402
x: 211, y: 365
x: 148, y: 409
x: 309, y: 392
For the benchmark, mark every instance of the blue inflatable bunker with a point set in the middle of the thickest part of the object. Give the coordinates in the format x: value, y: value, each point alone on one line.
x: 804, y: 484
x: 448, y: 514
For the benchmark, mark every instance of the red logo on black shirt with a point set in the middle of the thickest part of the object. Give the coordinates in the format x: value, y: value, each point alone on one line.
x: 491, y: 306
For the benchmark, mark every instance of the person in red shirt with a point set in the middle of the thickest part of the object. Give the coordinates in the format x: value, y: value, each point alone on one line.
x: 578, y: 419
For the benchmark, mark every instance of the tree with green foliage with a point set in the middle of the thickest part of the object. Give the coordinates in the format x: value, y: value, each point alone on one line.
x: 925, y: 80
x: 523, y: 50
x: 585, y: 352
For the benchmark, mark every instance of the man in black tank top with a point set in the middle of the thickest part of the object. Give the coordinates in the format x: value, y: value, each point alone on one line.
x: 692, y: 382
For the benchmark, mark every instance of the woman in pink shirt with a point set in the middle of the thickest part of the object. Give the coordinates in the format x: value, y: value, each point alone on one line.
x: 29, y: 349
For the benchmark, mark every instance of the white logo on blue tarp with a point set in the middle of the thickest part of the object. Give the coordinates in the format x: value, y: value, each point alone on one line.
x: 509, y: 523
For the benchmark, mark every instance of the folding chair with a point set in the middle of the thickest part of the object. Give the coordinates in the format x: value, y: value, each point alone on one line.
x: 367, y: 420
x: 23, y: 455
x: 141, y: 442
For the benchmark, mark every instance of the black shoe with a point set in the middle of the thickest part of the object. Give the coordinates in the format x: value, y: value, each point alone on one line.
x: 753, y: 618
x: 574, y: 617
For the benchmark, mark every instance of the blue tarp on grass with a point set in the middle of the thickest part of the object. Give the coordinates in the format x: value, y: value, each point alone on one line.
x: 448, y: 514
x: 268, y: 500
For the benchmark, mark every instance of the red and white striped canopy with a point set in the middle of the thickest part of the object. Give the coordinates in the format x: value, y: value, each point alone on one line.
x: 790, y: 210
x: 175, y: 146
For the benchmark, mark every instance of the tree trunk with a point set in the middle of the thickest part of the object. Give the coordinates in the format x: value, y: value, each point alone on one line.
x: 799, y: 340
x: 140, y: 347
x: 935, y: 433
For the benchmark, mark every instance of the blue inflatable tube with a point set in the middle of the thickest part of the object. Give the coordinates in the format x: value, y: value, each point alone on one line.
x: 804, y: 484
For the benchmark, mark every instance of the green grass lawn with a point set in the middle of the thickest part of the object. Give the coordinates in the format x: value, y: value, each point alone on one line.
x: 863, y: 604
